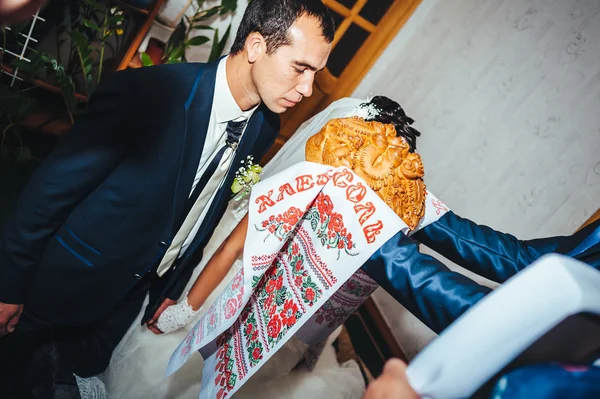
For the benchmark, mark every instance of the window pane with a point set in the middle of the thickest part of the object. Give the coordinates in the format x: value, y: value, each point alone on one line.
x: 342, y: 54
x: 374, y: 10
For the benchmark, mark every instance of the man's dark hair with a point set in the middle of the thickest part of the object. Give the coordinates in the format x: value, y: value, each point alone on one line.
x: 273, y: 19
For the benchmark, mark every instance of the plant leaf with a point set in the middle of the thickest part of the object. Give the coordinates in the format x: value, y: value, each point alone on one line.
x: 223, y: 41
x: 90, y: 24
x: 146, y: 60
x: 113, y: 20
x: 177, y: 54
x: 215, y: 46
x: 228, y: 6
x: 219, y: 45
x: 204, y: 27
x: 197, y: 41
x: 176, y: 40
x: 206, y: 14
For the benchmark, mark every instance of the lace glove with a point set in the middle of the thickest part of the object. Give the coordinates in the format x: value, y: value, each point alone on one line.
x: 176, y: 316
x: 91, y: 388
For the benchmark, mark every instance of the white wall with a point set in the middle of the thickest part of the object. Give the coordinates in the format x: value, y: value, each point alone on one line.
x: 507, y: 96
x: 201, y: 53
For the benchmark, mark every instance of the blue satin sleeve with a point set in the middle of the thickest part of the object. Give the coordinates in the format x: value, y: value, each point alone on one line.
x: 483, y: 250
x: 429, y: 290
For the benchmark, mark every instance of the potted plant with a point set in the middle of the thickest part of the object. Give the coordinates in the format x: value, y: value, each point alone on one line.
x: 183, y: 36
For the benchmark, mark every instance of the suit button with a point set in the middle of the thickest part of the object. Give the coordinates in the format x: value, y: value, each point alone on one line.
x: 137, y: 276
x: 163, y: 244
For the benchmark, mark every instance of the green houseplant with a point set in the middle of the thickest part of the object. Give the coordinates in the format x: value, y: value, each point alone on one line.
x: 180, y: 40
x: 84, y: 31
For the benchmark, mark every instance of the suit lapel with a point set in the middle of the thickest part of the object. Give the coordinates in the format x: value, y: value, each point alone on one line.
x: 249, y: 138
x: 197, y: 113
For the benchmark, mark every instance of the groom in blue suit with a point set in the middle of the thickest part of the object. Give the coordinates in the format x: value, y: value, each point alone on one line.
x: 127, y: 202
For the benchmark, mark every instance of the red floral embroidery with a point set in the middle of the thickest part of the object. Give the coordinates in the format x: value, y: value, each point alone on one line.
x: 254, y: 347
x: 292, y: 216
x: 286, y: 286
x: 271, y: 286
x: 310, y: 294
x: 301, y: 277
x: 226, y: 379
x: 329, y: 225
x: 324, y: 205
x: 295, y: 248
x: 336, y: 223
x: 274, y: 327
x: 282, y: 224
x: 269, y: 300
x: 288, y: 314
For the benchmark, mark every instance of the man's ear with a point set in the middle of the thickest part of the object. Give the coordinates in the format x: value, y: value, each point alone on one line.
x: 255, y: 46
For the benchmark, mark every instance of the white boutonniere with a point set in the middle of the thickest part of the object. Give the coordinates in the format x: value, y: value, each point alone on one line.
x: 246, y: 177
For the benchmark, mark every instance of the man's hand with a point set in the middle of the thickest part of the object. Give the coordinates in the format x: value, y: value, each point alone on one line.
x: 163, y: 306
x: 392, y: 383
x: 9, y: 317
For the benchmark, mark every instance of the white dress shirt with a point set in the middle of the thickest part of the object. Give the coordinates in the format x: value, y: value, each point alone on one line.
x: 224, y: 109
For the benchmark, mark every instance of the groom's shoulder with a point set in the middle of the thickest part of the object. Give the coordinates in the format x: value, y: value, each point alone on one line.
x: 163, y: 76
x: 160, y: 83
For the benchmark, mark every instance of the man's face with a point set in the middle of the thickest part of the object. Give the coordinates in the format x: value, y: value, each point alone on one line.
x: 284, y: 77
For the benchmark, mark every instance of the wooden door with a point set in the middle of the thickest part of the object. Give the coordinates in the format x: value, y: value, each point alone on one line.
x: 364, y: 29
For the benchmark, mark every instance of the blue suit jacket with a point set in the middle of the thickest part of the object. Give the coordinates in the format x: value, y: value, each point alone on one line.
x: 495, y: 255
x: 438, y: 296
x: 102, y: 209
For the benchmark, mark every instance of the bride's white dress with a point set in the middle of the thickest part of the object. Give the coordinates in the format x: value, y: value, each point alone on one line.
x: 138, y: 365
